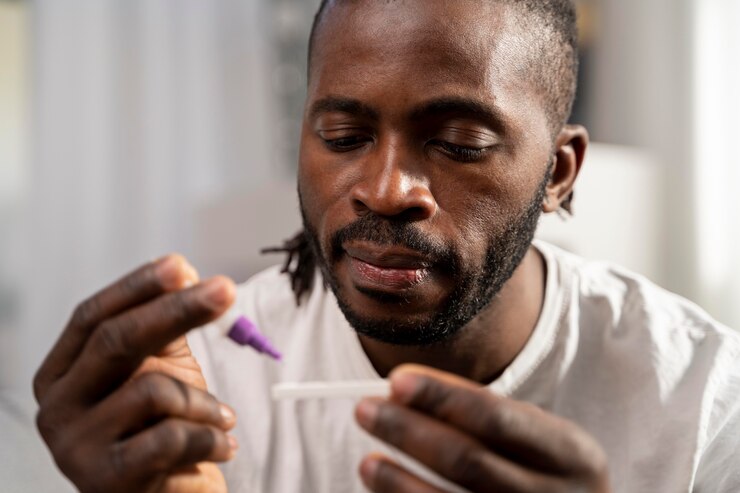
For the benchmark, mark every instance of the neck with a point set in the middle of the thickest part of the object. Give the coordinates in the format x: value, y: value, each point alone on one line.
x: 482, y: 349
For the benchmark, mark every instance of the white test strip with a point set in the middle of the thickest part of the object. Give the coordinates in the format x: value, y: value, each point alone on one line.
x: 322, y: 390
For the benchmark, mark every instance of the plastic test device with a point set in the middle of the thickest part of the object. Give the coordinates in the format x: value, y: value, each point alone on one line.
x: 242, y: 331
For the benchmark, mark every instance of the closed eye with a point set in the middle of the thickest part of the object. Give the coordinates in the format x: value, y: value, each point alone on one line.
x: 463, y: 154
x: 344, y: 144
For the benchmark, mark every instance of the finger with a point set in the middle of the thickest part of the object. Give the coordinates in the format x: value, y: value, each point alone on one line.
x: 382, y: 475
x: 148, y: 281
x: 151, y: 398
x: 168, y: 445
x: 444, y: 449
x: 120, y: 344
x: 519, y: 431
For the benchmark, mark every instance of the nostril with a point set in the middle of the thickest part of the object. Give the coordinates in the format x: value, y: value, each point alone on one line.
x: 360, y: 207
x: 415, y: 214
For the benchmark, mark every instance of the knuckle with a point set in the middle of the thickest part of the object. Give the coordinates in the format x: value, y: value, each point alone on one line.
x: 390, y: 424
x: 173, y: 437
x: 67, y: 455
x: 39, y: 384
x: 158, y: 394
x: 86, y: 313
x: 467, y: 464
x: 113, y: 339
x: 172, y: 446
x: 118, y: 460
x: 203, y: 444
x: 64, y: 458
x: 213, y: 407
x: 44, y: 425
x: 436, y: 397
x: 132, y: 284
x: 177, y: 308
x: 500, y: 416
x: 183, y: 392
x: 165, y: 446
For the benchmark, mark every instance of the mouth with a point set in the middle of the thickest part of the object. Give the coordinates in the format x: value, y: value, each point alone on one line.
x: 388, y: 269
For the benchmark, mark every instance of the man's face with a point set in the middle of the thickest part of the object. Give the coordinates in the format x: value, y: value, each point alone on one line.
x: 424, y: 156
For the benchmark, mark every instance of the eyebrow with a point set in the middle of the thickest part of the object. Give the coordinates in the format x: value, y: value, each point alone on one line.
x: 458, y: 106
x: 463, y: 107
x: 343, y: 105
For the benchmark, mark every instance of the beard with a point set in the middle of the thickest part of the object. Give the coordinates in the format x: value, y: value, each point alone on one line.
x: 473, y: 287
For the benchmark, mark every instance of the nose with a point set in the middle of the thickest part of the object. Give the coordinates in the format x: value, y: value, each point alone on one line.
x: 392, y: 185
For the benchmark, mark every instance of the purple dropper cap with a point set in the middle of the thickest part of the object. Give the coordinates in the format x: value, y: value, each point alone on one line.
x: 245, y: 333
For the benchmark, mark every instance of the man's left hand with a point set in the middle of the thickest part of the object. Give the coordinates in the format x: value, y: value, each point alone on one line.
x: 476, y: 439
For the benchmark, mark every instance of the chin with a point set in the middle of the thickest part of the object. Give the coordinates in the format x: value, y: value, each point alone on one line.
x: 392, y: 319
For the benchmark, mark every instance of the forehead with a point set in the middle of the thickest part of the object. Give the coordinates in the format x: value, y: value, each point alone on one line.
x: 471, y: 41
x: 396, y: 54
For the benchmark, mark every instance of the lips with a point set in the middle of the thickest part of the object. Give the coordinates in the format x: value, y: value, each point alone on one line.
x: 386, y: 268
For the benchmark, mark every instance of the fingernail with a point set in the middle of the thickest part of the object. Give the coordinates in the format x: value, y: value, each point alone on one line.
x: 367, y: 413
x: 227, y: 414
x: 174, y: 272
x: 191, y: 277
x: 216, y: 293
x: 233, y: 444
x: 168, y: 271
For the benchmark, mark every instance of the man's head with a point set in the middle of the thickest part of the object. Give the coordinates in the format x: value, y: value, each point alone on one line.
x: 432, y: 140
x: 552, y: 55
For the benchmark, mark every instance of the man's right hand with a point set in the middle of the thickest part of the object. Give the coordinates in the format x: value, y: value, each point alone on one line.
x: 123, y: 403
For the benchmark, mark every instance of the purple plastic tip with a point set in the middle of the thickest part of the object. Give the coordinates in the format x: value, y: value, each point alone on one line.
x: 245, y: 333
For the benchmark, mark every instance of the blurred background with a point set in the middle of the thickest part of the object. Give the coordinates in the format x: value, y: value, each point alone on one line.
x: 131, y: 129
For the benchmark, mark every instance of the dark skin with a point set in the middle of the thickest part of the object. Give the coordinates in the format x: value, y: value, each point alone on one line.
x: 123, y: 404
x: 377, y: 139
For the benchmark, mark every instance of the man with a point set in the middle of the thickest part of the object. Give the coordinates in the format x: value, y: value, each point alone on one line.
x: 434, y: 136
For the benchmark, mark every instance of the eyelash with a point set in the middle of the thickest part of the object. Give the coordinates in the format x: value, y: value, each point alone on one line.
x: 459, y: 153
x: 337, y: 146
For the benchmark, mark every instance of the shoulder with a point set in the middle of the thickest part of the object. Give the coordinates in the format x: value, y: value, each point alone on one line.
x: 643, y: 327
x: 673, y: 358
x: 650, y: 335
x: 618, y: 297
x: 719, y: 463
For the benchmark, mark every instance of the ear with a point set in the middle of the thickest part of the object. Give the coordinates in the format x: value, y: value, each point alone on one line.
x: 570, y: 149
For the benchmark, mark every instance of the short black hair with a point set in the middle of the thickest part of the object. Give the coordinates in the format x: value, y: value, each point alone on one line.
x: 555, y: 67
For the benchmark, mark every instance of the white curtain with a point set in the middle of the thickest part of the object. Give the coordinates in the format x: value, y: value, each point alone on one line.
x: 716, y: 159
x: 142, y: 111
x: 666, y: 78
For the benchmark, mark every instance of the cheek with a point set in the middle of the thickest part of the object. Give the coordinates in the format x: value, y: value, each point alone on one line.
x: 324, y: 188
x: 479, y: 205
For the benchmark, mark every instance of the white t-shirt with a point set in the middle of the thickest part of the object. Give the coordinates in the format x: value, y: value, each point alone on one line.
x: 650, y: 375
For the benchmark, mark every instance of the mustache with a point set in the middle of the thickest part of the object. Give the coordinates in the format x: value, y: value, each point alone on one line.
x: 383, y: 231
